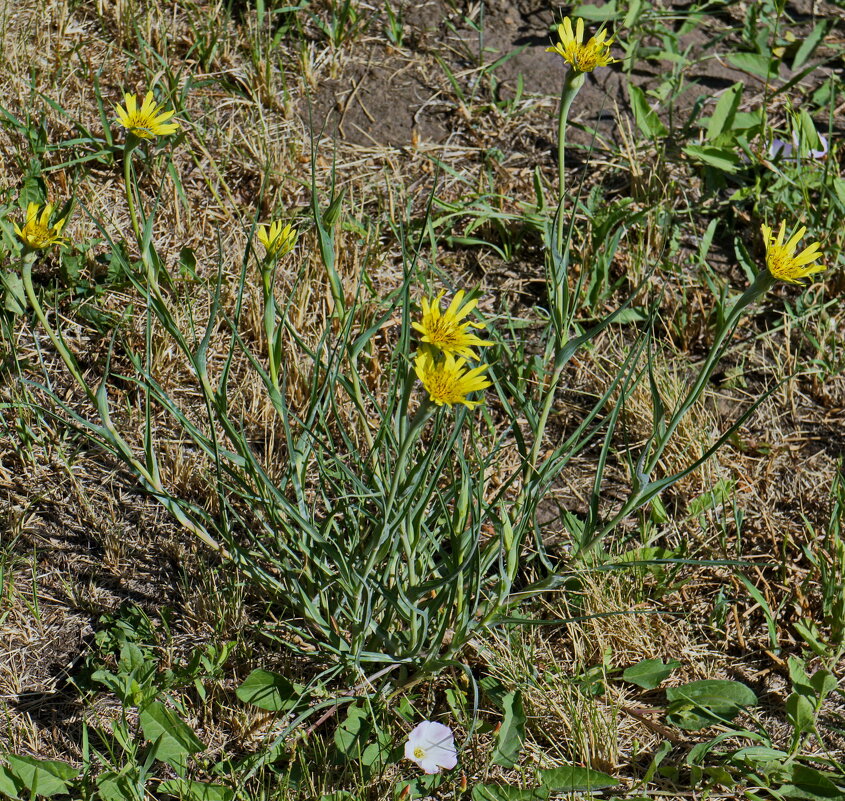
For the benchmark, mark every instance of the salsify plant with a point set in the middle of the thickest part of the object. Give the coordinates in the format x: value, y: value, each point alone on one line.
x: 382, y: 539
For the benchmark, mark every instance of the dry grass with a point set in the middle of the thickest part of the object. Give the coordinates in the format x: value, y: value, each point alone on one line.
x: 78, y: 537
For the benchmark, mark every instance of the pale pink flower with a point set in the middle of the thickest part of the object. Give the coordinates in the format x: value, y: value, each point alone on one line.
x: 432, y: 746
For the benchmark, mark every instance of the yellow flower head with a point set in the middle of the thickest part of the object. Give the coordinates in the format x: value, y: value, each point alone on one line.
x: 146, y: 122
x: 446, y: 331
x: 278, y: 240
x: 582, y: 57
x: 781, y: 260
x: 448, y: 381
x: 37, y: 232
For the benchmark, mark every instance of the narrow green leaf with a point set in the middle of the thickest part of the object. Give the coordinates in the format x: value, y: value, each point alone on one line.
x: 721, y: 158
x: 810, y: 43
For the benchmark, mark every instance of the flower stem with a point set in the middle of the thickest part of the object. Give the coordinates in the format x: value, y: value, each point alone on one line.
x: 270, y: 327
x: 571, y: 84
x: 67, y: 357
x: 761, y: 284
x: 128, y: 148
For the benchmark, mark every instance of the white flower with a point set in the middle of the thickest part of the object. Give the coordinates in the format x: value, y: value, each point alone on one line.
x: 432, y: 746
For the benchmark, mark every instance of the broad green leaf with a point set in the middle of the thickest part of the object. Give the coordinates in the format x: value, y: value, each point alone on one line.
x: 812, y: 636
x: 631, y: 315
x: 755, y: 63
x: 9, y: 784
x: 647, y: 120
x: 721, y: 158
x: 376, y: 756
x: 800, y: 712
x: 759, y: 753
x: 41, y: 776
x: 268, y: 690
x: 177, y: 739
x: 650, y: 672
x: 713, y: 693
x: 350, y: 735
x: 113, y: 786
x: 702, y: 703
x: 504, y: 792
x: 14, y: 296
x: 823, y: 682
x: 419, y: 787
x: 512, y: 732
x: 606, y: 11
x: 572, y: 779
x: 809, y: 784
x: 725, y: 111
x: 197, y: 791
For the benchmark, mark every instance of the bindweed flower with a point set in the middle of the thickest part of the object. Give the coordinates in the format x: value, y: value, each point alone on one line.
x: 445, y: 331
x: 37, y: 233
x: 278, y: 240
x: 581, y: 56
x: 432, y: 746
x: 781, y: 260
x: 448, y: 381
x: 146, y: 122
x: 790, y: 150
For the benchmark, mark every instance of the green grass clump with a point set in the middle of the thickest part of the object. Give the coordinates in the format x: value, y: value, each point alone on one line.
x: 528, y: 511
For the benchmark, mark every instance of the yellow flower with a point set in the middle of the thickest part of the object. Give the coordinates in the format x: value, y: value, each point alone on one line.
x: 278, y: 240
x: 146, y: 122
x: 446, y: 331
x: 448, y: 381
x: 781, y: 260
x: 582, y: 57
x: 37, y: 231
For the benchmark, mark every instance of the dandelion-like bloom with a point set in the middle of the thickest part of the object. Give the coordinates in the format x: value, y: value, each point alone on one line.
x: 572, y: 49
x: 37, y: 232
x: 449, y: 381
x: 445, y: 331
x: 146, y: 122
x: 781, y: 260
x: 277, y: 239
x: 432, y: 746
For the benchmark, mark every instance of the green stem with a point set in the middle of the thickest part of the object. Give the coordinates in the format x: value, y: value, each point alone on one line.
x: 67, y: 356
x: 270, y: 318
x: 128, y: 148
x: 571, y: 84
x: 149, y: 480
x: 761, y: 284
x: 419, y: 420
